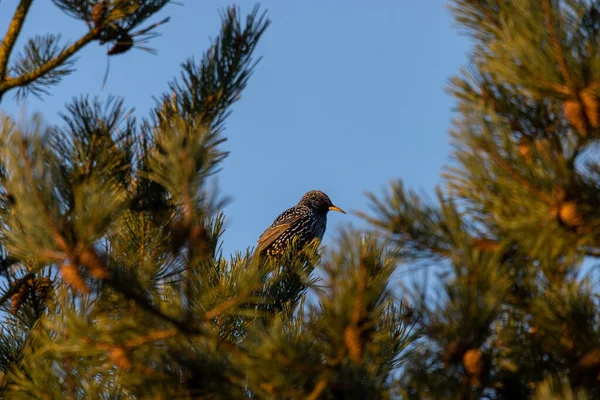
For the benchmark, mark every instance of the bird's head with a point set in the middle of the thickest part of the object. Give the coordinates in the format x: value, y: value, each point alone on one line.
x: 319, y: 201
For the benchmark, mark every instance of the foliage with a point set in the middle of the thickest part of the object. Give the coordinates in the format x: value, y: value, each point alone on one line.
x: 513, y: 311
x: 116, y: 284
x: 44, y: 62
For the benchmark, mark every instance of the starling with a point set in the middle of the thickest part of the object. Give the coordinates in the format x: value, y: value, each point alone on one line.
x: 304, y: 222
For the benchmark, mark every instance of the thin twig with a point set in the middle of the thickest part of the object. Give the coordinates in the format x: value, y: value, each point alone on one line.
x: 68, y: 377
x: 25, y: 79
x: 12, y: 34
x: 492, y: 19
x: 226, y: 305
x: 188, y: 212
x: 357, y: 309
x: 144, y: 304
x: 518, y: 177
x: 319, y: 387
x: 123, y: 289
x: 562, y: 89
x: 56, y: 234
x: 560, y: 58
x: 151, y: 337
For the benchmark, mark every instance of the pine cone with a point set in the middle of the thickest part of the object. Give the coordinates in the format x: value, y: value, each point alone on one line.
x: 19, y: 298
x: 525, y: 148
x: 42, y: 289
x: 475, y: 366
x: 119, y: 357
x: 591, y: 106
x: 99, y: 13
x: 533, y: 330
x: 16, y: 301
x: 569, y: 214
x: 590, y: 360
x: 71, y: 275
x: 473, y: 361
x: 574, y: 113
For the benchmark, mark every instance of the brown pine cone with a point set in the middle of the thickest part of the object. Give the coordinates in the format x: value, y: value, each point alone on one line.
x: 574, y: 113
x: 42, y: 289
x: 591, y: 106
x: 99, y: 13
x: 73, y: 278
x: 19, y: 298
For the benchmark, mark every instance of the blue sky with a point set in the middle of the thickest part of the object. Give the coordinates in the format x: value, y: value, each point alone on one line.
x: 346, y: 98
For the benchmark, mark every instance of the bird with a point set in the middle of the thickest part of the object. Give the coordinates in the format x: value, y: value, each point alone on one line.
x: 303, y: 223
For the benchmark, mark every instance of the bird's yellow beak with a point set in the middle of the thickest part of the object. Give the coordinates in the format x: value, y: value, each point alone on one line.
x: 336, y: 208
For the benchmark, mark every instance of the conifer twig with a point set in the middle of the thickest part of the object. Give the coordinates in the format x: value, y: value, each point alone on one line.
x: 15, y: 287
x: 68, y: 377
x: 492, y: 19
x: 319, y: 387
x: 151, y: 337
x: 518, y: 177
x: 557, y: 87
x: 144, y: 304
x: 351, y: 333
x: 226, y: 305
x: 560, y: 58
x: 27, y: 165
x: 12, y: 34
x: 97, y: 262
x: 188, y: 211
x: 25, y: 79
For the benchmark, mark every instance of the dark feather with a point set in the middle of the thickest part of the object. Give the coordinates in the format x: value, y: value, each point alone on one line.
x: 282, y: 223
x: 301, y: 224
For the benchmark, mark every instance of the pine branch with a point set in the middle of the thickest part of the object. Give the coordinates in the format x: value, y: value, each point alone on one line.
x: 514, y: 174
x: 207, y: 90
x: 228, y: 304
x: 38, y: 51
x: 560, y: 58
x: 151, y: 337
x: 14, y: 288
x: 481, y: 16
x: 94, y: 262
x: 130, y: 294
x: 28, y: 169
x: 416, y: 226
x: 196, y: 236
x: 543, y: 83
x: 28, y: 78
x: 80, y: 9
x: 319, y: 388
x: 11, y: 37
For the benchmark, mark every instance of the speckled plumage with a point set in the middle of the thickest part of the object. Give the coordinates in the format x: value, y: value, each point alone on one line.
x: 303, y: 222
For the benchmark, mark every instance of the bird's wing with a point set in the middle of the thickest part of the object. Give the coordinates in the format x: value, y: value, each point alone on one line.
x: 287, y: 219
x: 269, y: 236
